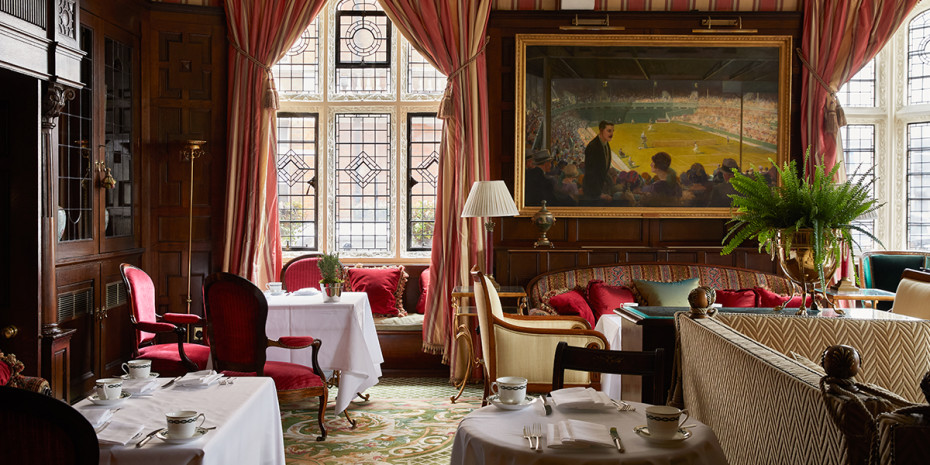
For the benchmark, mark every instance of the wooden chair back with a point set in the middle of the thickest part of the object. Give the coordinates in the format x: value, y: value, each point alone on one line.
x: 649, y: 364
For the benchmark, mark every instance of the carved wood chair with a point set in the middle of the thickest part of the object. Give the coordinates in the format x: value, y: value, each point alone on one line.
x: 168, y: 359
x: 236, y: 312
x: 649, y: 364
x: 522, y: 345
x: 301, y: 272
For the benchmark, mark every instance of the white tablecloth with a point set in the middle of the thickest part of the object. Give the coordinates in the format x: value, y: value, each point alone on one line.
x: 609, y: 326
x: 246, y: 415
x: 491, y: 436
x: 346, y: 329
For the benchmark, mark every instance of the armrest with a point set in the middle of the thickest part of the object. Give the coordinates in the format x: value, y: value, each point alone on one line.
x: 529, y: 352
x: 155, y: 327
x: 292, y: 342
x: 551, y: 322
x: 182, y: 318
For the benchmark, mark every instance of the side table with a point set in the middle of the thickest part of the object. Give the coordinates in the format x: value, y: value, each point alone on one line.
x: 464, y: 331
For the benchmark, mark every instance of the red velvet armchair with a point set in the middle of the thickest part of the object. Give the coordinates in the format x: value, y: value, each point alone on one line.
x: 301, y: 272
x: 168, y: 359
x: 236, y: 312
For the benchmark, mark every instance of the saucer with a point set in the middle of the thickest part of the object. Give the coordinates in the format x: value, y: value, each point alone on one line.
x: 152, y: 374
x: 97, y: 400
x: 643, y: 432
x: 163, y: 435
x: 522, y: 405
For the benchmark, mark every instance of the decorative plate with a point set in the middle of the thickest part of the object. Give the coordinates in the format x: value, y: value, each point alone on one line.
x: 680, y: 435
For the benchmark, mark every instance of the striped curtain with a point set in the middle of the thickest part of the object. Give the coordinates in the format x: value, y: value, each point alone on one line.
x: 840, y: 37
x: 260, y: 32
x: 657, y: 5
x: 451, y: 35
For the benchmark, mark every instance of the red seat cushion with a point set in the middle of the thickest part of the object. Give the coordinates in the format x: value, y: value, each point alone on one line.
x: 5, y: 373
x: 737, y: 298
x: 384, y: 286
x: 286, y: 376
x: 424, y: 285
x: 572, y: 303
x: 166, y: 360
x: 768, y: 298
x: 604, y: 298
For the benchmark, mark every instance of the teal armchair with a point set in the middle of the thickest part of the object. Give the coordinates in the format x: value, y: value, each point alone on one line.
x: 882, y: 269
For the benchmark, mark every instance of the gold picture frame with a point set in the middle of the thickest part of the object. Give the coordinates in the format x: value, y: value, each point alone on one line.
x: 713, y: 101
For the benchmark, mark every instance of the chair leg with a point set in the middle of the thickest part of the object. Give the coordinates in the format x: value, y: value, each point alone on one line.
x: 323, y: 397
x: 364, y: 397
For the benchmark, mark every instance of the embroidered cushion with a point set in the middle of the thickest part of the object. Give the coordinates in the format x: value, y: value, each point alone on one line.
x: 384, y: 286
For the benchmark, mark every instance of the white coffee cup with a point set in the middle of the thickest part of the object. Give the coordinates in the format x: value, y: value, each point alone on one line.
x: 109, y: 388
x: 509, y: 389
x: 274, y: 288
x: 182, y: 423
x: 138, y: 368
x: 664, y: 421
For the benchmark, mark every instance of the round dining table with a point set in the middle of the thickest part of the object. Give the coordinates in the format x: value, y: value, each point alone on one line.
x: 492, y: 436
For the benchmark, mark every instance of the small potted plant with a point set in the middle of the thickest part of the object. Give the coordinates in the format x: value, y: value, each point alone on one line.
x: 804, y: 221
x: 331, y: 276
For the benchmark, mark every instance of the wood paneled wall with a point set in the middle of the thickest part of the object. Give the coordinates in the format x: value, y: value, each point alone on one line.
x: 591, y: 241
x: 186, y: 69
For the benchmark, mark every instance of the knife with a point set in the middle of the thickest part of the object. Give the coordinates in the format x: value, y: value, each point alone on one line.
x: 169, y: 383
x: 147, y: 438
x: 617, y: 442
x: 546, y: 405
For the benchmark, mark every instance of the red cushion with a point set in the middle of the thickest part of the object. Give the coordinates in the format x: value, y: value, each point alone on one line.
x: 737, y: 298
x: 424, y: 285
x: 155, y: 327
x: 286, y: 376
x: 166, y: 360
x: 296, y: 342
x: 768, y: 298
x: 182, y: 318
x: 384, y: 286
x: 5, y: 373
x: 572, y: 303
x: 604, y: 299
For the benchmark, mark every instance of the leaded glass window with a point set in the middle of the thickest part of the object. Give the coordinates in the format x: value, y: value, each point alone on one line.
x: 918, y: 60
x: 298, y: 73
x: 297, y: 180
x: 859, y: 153
x: 425, y: 135
x: 363, y: 47
x: 860, y: 90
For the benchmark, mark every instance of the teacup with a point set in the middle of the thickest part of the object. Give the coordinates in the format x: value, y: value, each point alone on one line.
x: 138, y: 368
x: 509, y: 389
x: 182, y: 423
x: 274, y: 288
x: 109, y: 388
x: 664, y: 421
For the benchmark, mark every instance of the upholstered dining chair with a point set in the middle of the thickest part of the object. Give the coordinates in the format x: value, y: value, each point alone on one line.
x: 881, y: 269
x: 301, y: 272
x: 523, y: 345
x: 39, y: 429
x: 168, y: 359
x: 648, y: 364
x: 236, y: 312
x: 912, y: 294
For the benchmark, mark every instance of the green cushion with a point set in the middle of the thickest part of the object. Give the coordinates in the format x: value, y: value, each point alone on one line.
x: 664, y: 294
x: 884, y: 272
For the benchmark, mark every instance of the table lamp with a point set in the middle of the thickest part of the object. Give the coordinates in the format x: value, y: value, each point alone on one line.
x: 489, y: 199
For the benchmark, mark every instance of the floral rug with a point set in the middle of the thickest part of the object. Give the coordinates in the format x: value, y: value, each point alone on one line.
x: 405, y: 421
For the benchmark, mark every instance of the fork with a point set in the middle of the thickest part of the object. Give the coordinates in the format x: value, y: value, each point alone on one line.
x: 623, y: 406
x: 527, y: 435
x: 537, y: 433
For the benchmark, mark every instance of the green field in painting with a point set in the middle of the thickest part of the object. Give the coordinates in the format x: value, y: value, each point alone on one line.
x: 678, y: 140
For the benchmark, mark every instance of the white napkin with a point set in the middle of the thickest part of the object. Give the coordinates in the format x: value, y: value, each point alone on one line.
x: 118, y: 432
x: 580, y: 398
x: 140, y: 387
x: 200, y: 378
x: 96, y: 416
x: 572, y: 434
x: 306, y: 291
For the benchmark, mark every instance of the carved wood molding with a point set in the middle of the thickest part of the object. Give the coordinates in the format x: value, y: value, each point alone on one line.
x: 56, y: 96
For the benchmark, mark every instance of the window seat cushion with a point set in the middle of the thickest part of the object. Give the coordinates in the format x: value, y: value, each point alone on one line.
x: 411, y: 322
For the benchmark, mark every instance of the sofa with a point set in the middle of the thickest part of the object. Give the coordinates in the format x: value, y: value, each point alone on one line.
x: 738, y: 375
x: 10, y: 375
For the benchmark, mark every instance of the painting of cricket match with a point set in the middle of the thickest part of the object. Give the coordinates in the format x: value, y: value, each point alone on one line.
x: 635, y: 125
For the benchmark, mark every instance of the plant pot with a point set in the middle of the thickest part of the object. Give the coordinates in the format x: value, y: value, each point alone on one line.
x: 332, y: 292
x: 796, y: 258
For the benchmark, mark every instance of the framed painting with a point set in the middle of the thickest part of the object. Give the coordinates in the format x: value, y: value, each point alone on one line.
x: 633, y: 125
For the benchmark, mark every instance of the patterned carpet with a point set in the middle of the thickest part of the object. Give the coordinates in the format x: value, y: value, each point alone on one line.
x: 405, y: 421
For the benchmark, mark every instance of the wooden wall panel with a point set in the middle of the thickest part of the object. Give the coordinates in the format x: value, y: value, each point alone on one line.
x: 607, y: 240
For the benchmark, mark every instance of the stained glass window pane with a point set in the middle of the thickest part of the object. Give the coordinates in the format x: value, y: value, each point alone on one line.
x: 918, y: 186
x: 425, y: 134
x: 297, y: 180
x: 422, y: 77
x: 860, y: 90
x: 363, y: 181
x: 859, y: 152
x: 363, y: 47
x: 918, y: 60
x: 299, y: 71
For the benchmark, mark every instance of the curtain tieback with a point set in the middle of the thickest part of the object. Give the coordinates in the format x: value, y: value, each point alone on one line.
x: 445, y: 105
x: 833, y: 117
x: 270, y: 98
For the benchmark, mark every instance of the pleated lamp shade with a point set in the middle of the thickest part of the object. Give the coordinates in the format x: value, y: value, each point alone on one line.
x: 489, y: 199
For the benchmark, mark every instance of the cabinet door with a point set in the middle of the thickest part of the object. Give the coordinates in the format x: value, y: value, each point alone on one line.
x: 117, y: 338
x: 78, y: 309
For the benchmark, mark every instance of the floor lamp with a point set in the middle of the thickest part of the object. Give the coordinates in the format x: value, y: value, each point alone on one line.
x: 192, y: 150
x: 489, y: 199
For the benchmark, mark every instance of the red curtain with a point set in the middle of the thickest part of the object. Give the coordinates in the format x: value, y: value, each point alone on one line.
x: 260, y: 32
x: 840, y: 37
x: 451, y: 35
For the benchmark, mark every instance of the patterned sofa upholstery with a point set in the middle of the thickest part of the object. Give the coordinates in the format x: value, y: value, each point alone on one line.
x: 764, y: 406
x: 623, y: 274
x: 10, y: 369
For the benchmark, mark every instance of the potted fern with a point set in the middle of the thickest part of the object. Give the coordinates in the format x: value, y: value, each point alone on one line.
x: 330, y: 276
x: 805, y: 220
